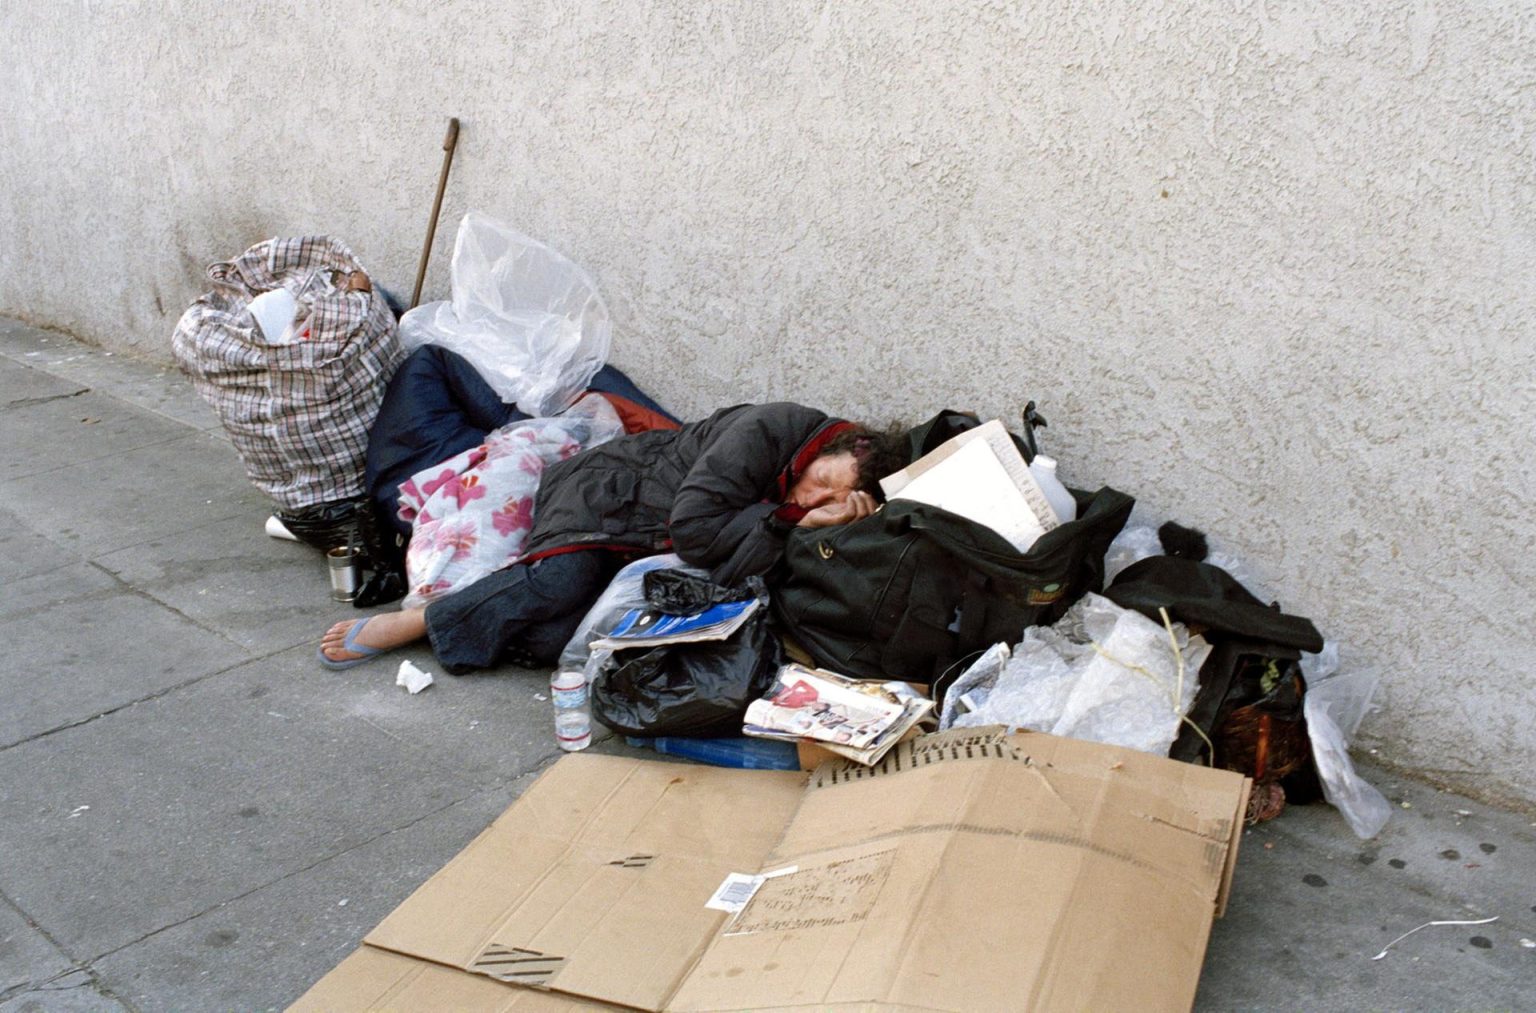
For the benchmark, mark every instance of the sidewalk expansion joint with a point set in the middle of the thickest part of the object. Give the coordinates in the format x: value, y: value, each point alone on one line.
x: 78, y: 966
x: 284, y: 877
x: 28, y: 402
x: 120, y: 707
x: 133, y: 589
x: 47, y: 984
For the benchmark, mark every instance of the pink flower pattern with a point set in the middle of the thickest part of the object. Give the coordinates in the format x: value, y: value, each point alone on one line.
x: 472, y: 513
x: 431, y: 485
x: 458, y: 541
x: 515, y: 515
x: 466, y: 489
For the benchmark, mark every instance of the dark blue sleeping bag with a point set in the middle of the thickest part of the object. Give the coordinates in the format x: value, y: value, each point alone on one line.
x: 437, y: 405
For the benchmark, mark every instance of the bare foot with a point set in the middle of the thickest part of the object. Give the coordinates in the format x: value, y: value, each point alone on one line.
x: 385, y: 631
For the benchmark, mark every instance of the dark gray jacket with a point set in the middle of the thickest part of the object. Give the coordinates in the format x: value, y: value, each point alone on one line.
x: 707, y: 491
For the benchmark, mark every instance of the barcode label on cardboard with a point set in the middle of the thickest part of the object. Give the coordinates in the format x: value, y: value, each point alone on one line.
x: 739, y: 889
x: 732, y: 895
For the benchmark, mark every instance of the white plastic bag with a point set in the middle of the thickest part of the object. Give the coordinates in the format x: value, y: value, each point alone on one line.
x: 1334, y: 705
x: 626, y: 591
x: 527, y: 318
x: 1102, y: 673
x: 1136, y: 542
x: 1131, y: 545
x: 970, y: 691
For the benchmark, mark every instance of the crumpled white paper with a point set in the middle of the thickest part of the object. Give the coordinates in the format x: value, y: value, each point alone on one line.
x: 412, y: 678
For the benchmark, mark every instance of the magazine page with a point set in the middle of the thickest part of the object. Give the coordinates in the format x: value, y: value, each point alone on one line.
x: 823, y: 706
x: 647, y: 627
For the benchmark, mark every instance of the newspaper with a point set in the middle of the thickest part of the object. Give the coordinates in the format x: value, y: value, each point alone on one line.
x: 859, y: 720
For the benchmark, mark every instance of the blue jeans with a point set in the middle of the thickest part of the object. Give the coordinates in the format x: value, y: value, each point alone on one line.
x: 524, y: 614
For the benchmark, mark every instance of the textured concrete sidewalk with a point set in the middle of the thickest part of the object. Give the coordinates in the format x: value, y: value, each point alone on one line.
x: 195, y: 815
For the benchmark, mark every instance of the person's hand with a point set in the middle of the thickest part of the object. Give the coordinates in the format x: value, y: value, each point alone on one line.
x: 858, y: 505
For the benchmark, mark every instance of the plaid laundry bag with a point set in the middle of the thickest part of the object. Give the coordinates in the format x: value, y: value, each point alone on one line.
x: 297, y: 413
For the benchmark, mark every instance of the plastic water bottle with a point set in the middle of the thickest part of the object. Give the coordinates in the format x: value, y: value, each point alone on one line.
x: 573, y: 709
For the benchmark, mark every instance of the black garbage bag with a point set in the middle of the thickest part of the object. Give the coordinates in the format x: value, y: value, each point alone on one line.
x: 355, y: 523
x: 383, y: 558
x: 698, y: 689
x: 680, y: 593
x: 325, y: 526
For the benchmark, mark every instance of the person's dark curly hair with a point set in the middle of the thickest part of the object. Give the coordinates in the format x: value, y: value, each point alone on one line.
x: 879, y: 453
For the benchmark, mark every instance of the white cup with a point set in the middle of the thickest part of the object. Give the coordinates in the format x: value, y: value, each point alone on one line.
x: 273, y: 313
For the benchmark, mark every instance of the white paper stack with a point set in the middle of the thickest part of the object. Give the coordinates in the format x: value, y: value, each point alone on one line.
x: 981, y: 476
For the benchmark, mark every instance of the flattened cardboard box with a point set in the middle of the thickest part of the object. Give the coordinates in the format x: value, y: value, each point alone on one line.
x: 968, y: 870
x: 370, y: 979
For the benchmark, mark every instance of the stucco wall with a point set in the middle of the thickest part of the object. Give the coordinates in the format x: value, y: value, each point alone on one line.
x: 1269, y: 269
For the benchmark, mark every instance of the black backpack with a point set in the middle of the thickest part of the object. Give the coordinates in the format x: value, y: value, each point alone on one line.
x: 912, y: 591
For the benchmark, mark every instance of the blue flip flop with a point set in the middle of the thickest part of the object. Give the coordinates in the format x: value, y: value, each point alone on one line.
x: 349, y: 642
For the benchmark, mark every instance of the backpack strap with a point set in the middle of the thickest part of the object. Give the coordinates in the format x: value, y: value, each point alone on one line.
x: 949, y: 423
x: 970, y: 635
x: 973, y: 612
x: 939, y: 429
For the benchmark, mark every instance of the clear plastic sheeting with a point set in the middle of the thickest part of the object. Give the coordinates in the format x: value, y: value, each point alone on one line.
x: 970, y: 691
x: 1102, y: 673
x: 530, y: 320
x: 1137, y: 542
x: 1131, y: 545
x: 626, y: 591
x: 1335, y: 703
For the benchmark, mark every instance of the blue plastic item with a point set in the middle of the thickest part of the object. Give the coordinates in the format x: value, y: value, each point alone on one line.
x: 742, y: 752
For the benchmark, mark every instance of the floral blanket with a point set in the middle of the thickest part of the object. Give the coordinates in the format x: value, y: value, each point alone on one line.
x: 471, y: 514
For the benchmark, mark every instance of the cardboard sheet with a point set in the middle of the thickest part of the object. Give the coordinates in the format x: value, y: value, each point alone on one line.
x: 374, y: 981
x: 982, y: 872
x: 968, y: 870
x: 594, y: 882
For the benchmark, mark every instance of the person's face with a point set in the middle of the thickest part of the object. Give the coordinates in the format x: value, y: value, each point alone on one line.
x: 828, y: 479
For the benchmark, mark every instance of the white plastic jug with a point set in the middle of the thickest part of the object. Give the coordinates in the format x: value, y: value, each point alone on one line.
x: 1044, y: 470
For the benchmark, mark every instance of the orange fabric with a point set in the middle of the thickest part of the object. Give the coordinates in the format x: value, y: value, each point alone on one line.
x: 638, y: 418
